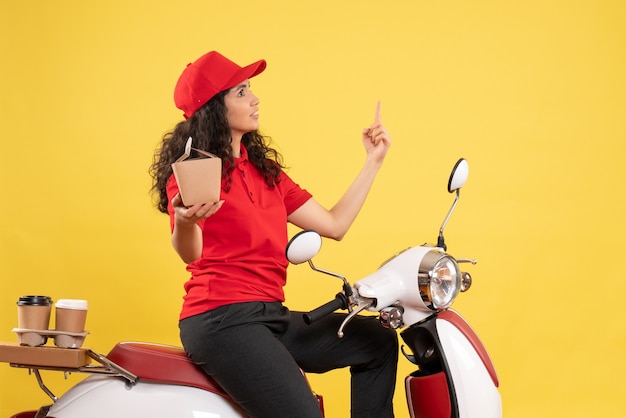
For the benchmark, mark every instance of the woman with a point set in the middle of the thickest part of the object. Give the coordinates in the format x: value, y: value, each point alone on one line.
x: 233, y: 323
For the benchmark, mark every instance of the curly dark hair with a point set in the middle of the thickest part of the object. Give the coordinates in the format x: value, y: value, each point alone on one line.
x: 210, y: 132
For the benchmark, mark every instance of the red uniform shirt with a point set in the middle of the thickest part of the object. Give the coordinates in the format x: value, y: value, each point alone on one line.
x: 243, y: 253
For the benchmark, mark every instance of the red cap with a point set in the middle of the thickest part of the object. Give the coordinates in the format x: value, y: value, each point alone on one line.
x: 207, y: 76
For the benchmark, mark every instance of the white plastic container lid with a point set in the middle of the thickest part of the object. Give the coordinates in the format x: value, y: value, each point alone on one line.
x: 77, y: 304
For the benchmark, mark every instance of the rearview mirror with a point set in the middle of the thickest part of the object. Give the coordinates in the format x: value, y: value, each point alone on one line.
x: 303, y: 247
x: 459, y: 174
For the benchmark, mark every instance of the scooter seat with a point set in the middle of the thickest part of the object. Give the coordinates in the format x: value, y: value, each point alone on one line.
x: 162, y: 363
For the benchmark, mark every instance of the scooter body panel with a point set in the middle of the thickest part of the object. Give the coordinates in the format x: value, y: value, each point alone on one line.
x: 106, y: 397
x: 456, y: 378
x: 396, y: 283
x: 477, y: 395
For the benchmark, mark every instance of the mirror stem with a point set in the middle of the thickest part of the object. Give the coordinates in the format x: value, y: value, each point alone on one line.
x: 440, y: 239
x: 346, y: 286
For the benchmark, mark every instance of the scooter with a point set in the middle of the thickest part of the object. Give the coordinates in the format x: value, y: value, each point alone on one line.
x: 414, y: 290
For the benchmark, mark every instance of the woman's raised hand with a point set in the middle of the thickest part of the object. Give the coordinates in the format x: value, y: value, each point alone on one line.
x: 376, y: 139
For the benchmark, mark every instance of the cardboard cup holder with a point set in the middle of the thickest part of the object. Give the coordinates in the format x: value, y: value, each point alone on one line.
x: 62, y: 339
x: 33, y: 321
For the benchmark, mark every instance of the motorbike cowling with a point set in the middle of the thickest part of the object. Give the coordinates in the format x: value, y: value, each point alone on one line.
x: 456, y: 377
x: 107, y: 396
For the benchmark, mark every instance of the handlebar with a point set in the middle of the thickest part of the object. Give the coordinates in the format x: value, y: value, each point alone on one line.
x: 340, y: 302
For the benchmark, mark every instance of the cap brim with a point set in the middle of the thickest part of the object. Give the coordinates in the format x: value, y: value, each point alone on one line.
x: 246, y: 72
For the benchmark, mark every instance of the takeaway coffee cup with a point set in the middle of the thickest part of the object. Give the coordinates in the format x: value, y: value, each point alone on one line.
x: 71, y: 315
x: 33, y: 312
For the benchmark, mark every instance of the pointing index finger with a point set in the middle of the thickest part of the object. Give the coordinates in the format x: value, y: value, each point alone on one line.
x: 377, y: 114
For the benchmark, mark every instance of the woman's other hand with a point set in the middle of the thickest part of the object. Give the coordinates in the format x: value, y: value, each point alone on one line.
x: 187, y: 235
x: 184, y: 215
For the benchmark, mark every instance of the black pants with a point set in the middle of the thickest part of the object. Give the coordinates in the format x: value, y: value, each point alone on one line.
x: 256, y: 350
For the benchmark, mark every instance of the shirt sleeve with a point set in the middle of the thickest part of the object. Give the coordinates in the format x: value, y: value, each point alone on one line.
x: 294, y: 195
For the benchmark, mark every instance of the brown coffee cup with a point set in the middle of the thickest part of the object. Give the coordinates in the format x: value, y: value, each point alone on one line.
x: 71, y: 315
x: 33, y: 312
x: 33, y: 319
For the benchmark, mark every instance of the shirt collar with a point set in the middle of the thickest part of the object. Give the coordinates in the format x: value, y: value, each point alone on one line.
x: 244, y: 153
x: 240, y: 162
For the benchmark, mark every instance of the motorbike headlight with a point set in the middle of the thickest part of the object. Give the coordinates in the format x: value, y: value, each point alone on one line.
x: 439, y: 280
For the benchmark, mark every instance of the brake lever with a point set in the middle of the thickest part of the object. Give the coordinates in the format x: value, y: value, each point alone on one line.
x: 362, y: 305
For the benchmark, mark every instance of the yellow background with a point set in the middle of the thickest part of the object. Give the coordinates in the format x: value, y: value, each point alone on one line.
x: 531, y: 93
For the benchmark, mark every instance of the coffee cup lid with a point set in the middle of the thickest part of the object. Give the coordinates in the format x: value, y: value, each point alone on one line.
x: 72, y: 304
x: 35, y: 301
